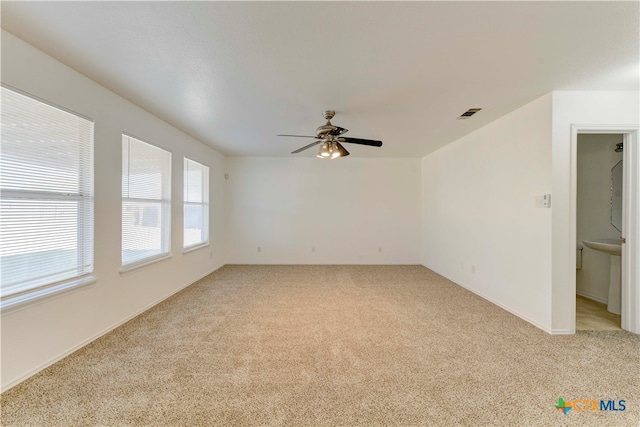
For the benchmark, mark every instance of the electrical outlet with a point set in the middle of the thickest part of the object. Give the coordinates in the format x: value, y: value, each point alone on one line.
x: 313, y: 248
x: 473, y: 269
x: 259, y: 249
x: 379, y: 249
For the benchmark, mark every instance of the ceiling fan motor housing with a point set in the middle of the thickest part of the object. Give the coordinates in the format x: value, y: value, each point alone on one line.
x: 328, y: 129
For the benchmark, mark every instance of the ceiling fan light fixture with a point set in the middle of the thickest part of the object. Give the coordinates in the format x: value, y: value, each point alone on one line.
x: 331, y: 150
x: 325, y: 151
x: 341, y: 150
x: 335, y: 153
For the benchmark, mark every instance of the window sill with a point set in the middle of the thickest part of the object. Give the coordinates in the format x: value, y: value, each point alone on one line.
x: 130, y: 268
x: 24, y: 300
x: 195, y: 247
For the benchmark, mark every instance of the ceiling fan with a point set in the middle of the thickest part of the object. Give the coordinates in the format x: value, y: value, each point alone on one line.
x: 330, y: 138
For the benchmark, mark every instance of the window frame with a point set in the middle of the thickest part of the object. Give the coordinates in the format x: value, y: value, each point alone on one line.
x: 204, y: 204
x: 37, y: 288
x: 165, y: 207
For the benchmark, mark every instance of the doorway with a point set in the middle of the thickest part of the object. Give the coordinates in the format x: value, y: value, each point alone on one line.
x: 629, y: 234
x: 599, y: 228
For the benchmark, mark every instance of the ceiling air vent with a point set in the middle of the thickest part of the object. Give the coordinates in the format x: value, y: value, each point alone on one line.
x: 470, y: 112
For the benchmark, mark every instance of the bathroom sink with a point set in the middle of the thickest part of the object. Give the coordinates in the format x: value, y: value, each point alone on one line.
x: 610, y: 246
x: 614, y: 249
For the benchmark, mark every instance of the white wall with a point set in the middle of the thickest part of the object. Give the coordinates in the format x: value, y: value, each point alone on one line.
x: 347, y: 209
x: 596, y: 157
x: 576, y: 108
x: 479, y: 224
x: 37, y: 335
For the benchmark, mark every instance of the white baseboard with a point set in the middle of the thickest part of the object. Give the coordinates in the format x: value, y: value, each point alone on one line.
x: 502, y: 306
x: 64, y: 354
x: 561, y: 332
x: 591, y: 297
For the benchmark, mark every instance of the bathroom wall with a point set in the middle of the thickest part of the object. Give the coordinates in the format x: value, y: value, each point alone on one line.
x: 596, y: 157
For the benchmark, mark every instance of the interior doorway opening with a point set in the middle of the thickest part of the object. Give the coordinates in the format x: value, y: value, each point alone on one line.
x: 598, y: 231
x: 593, y: 249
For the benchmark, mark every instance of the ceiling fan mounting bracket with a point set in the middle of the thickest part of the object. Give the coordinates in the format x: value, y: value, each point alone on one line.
x: 328, y: 114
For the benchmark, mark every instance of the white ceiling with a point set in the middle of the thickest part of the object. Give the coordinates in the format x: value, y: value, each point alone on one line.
x: 235, y: 74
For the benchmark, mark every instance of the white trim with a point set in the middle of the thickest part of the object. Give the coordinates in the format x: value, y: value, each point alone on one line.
x: 28, y: 193
x: 130, y: 135
x: 103, y: 332
x: 46, y: 102
x: 203, y: 203
x: 502, y: 306
x: 561, y: 332
x: 164, y: 201
x: 38, y: 295
x: 593, y: 298
x: 195, y: 247
x: 630, y: 219
x: 631, y: 232
x: 129, y: 268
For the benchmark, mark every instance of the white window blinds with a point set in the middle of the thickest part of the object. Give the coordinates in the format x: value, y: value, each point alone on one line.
x: 196, y: 204
x: 46, y: 209
x: 146, y: 202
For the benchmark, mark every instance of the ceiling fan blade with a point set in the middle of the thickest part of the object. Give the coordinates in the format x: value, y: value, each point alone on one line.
x: 299, y: 136
x: 360, y: 141
x: 306, y: 146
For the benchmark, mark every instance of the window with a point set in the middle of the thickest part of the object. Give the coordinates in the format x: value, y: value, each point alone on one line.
x: 46, y: 207
x: 196, y: 204
x: 146, y: 202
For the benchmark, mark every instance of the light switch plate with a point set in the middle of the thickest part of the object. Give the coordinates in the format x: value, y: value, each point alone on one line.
x: 543, y: 201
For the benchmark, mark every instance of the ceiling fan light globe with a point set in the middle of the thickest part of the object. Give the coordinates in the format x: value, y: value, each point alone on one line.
x: 325, y: 150
x: 342, y: 152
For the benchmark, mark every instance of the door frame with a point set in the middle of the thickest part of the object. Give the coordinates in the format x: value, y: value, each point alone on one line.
x: 630, y: 277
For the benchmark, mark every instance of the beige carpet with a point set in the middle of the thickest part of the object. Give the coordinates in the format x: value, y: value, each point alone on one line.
x: 334, y: 346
